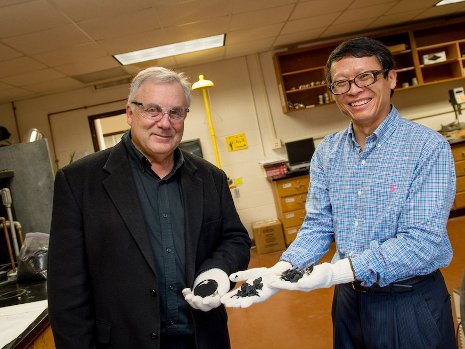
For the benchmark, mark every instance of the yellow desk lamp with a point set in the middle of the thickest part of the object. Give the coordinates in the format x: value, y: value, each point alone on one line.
x: 203, y: 85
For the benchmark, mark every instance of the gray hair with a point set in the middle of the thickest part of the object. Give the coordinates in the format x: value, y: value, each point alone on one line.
x: 160, y: 75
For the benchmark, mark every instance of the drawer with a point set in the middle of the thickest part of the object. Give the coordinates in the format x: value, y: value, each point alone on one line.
x: 290, y: 234
x: 460, y: 185
x: 294, y: 202
x: 458, y: 151
x: 292, y: 186
x: 459, y: 201
x: 460, y: 168
x: 293, y: 218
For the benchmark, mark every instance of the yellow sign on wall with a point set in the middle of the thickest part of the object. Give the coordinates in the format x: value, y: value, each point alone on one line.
x: 236, y: 142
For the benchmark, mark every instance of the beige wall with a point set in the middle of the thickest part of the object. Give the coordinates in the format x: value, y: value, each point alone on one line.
x: 245, y: 99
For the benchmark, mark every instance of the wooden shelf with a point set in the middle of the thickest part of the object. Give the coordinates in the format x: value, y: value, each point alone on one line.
x: 297, y: 69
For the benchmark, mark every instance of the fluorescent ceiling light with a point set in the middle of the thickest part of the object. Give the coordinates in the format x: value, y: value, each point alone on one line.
x: 170, y: 50
x: 447, y: 2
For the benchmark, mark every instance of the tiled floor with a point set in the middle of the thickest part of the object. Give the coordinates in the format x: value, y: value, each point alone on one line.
x: 303, y: 320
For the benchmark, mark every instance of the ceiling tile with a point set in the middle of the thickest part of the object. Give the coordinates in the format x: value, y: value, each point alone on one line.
x: 317, y: 7
x: 240, y: 6
x: 88, y: 9
x: 48, y: 40
x: 58, y: 85
x: 409, y: 5
x: 70, y: 54
x: 196, y: 30
x: 14, y: 94
x: 172, y: 13
x: 392, y: 19
x: 33, y: 77
x: 440, y: 11
x: 260, y: 18
x: 89, y: 66
x: 343, y: 29
x: 7, y: 53
x: 133, y: 42
x: 28, y: 18
x: 196, y: 57
x: 250, y: 47
x: 363, y: 3
x: 247, y: 35
x: 287, y: 40
x: 304, y: 24
x: 19, y: 65
x: 368, y: 12
x: 115, y: 26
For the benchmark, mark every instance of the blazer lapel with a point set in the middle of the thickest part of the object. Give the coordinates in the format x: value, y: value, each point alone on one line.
x: 193, y: 196
x: 121, y: 189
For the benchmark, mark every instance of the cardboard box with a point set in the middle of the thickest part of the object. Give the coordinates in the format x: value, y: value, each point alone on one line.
x: 434, y: 57
x: 268, y: 236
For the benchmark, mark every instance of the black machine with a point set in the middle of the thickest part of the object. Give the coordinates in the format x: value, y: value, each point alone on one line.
x: 299, y: 153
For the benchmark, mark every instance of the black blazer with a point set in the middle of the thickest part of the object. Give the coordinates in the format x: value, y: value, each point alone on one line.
x: 102, y: 281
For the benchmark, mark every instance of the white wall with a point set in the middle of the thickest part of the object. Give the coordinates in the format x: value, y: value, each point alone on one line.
x: 245, y: 99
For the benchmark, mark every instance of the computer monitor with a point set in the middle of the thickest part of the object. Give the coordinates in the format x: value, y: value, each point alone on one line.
x: 192, y: 146
x: 299, y: 153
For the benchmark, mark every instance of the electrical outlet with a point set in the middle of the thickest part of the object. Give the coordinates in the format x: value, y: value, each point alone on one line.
x: 276, y: 143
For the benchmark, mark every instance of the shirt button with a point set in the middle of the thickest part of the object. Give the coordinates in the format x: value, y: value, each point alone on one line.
x: 170, y: 323
x: 154, y: 335
x: 168, y: 250
x: 165, y: 215
x: 363, y: 162
x: 356, y: 223
x: 172, y: 287
x: 153, y: 292
x: 359, y: 193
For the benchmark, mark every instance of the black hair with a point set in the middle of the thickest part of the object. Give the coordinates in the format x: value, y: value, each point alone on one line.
x: 361, y: 47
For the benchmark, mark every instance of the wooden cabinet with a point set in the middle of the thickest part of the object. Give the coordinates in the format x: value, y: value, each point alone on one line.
x: 290, y: 195
x: 301, y: 72
x: 458, y: 151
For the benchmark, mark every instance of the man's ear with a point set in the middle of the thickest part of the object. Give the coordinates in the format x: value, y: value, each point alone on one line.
x: 392, y: 77
x: 129, y: 114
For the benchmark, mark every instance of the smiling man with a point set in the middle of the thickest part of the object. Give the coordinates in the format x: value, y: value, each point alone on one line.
x: 136, y: 227
x: 382, y: 190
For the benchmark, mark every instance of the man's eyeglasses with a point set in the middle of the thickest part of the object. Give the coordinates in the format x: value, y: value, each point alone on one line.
x: 364, y: 79
x: 155, y: 112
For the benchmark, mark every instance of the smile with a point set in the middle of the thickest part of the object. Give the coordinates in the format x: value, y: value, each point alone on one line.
x: 359, y: 103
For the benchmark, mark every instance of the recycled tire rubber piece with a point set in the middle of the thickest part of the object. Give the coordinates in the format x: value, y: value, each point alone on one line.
x: 293, y: 275
x: 248, y: 290
x: 206, y: 288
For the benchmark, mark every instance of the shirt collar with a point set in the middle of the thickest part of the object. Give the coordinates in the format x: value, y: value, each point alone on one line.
x: 384, y: 130
x: 142, y: 160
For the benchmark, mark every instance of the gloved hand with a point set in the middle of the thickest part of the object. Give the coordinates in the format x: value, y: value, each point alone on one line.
x: 323, y: 276
x: 267, y: 275
x: 212, y: 301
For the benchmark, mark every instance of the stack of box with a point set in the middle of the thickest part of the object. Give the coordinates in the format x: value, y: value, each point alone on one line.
x: 268, y: 236
x: 274, y: 169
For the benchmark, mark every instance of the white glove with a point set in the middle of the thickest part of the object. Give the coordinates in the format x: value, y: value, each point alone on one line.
x: 209, y: 302
x: 323, y: 276
x: 231, y: 299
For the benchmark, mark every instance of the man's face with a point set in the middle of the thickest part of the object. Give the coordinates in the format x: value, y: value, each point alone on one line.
x: 156, y: 139
x: 367, y: 106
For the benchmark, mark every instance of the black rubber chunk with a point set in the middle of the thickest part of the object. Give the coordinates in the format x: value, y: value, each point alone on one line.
x: 206, y: 288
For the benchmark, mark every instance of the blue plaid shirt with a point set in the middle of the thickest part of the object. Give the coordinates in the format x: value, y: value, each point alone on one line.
x: 386, y: 206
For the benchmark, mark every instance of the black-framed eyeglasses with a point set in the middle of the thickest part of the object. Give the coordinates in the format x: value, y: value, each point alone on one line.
x: 364, y: 79
x: 155, y: 112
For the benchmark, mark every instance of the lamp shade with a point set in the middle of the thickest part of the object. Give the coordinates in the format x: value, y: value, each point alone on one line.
x: 202, y: 83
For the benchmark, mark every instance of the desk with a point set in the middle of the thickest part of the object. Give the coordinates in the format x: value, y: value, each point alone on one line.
x: 38, y: 334
x: 290, y: 194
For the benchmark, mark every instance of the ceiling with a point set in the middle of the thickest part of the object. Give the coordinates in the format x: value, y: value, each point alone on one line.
x: 48, y: 46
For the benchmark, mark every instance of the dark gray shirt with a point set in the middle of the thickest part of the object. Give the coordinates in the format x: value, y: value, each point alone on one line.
x: 163, y: 209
